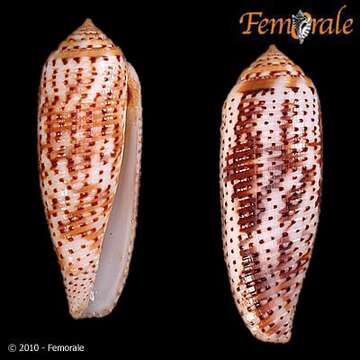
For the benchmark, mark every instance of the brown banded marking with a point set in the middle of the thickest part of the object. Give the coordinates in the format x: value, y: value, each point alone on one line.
x: 270, y: 176
x: 82, y: 113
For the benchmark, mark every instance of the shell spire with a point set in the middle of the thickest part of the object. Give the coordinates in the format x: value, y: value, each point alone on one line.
x: 87, y: 38
x: 81, y: 135
x: 270, y: 181
x: 88, y: 23
x: 272, y: 61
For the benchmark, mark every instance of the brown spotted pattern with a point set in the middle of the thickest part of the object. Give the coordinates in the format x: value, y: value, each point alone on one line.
x: 270, y: 179
x: 82, y: 109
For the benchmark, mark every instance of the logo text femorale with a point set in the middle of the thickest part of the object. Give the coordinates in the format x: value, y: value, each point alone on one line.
x: 298, y: 26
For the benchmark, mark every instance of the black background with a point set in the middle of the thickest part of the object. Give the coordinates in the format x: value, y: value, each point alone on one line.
x: 177, y: 298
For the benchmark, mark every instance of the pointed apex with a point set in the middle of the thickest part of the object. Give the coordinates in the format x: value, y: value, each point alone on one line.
x: 88, y: 23
x: 266, y: 62
x: 273, y: 48
x: 86, y: 36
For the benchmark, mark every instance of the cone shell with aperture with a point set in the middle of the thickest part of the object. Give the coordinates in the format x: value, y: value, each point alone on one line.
x: 81, y: 140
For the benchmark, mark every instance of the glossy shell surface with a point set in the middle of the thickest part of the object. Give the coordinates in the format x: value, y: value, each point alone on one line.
x: 270, y: 180
x: 83, y: 110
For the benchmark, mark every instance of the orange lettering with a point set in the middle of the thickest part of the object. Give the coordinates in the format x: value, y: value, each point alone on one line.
x: 338, y: 29
x: 348, y: 24
x: 284, y: 25
x: 326, y: 27
x: 250, y: 21
x: 281, y: 22
x: 315, y: 22
x: 262, y: 26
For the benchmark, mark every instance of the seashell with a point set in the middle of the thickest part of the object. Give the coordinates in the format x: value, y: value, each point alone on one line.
x: 270, y: 180
x: 89, y: 145
x: 302, y: 24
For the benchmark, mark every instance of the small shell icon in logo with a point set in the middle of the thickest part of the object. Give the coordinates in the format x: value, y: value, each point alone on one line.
x: 302, y: 24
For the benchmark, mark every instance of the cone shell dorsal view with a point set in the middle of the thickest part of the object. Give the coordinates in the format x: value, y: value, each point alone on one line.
x: 270, y: 180
x: 89, y: 144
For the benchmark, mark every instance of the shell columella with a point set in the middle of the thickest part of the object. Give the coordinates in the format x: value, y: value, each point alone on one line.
x: 89, y: 103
